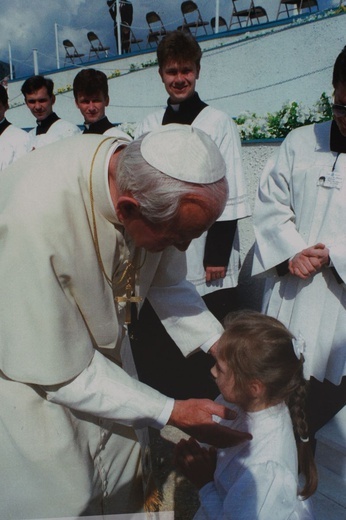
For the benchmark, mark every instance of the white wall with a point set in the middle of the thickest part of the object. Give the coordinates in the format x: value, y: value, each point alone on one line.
x: 256, y: 72
x: 254, y: 158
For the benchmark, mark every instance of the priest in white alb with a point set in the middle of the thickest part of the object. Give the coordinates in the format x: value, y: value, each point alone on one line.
x: 300, y: 228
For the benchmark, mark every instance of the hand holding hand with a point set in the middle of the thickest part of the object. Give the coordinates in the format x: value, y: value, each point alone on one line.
x: 195, y: 462
x: 195, y: 417
x: 309, y: 261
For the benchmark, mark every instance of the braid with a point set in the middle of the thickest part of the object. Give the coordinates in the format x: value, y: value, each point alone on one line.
x: 257, y: 346
x: 296, y: 404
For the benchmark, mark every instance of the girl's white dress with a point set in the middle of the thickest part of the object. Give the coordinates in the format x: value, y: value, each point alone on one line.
x: 257, y: 480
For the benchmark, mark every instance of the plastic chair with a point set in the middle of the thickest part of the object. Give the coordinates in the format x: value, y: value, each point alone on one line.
x: 192, y: 18
x: 222, y: 23
x: 96, y: 46
x: 253, y: 12
x: 156, y: 28
x: 71, y: 52
x: 295, y: 7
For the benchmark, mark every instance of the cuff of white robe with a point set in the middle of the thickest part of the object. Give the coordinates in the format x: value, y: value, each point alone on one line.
x: 208, y: 344
x: 164, y: 416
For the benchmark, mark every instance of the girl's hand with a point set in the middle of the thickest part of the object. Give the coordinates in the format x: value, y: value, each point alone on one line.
x: 195, y: 462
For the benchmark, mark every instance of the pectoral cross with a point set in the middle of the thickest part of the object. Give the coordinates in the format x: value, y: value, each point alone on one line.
x: 128, y: 299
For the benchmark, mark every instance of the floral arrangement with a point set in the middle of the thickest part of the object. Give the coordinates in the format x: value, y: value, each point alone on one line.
x: 278, y: 124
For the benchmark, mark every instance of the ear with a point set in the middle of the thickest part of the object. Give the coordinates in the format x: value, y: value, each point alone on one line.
x: 257, y: 389
x: 107, y: 101
x: 53, y: 99
x: 127, y: 207
x: 161, y: 75
x: 198, y: 71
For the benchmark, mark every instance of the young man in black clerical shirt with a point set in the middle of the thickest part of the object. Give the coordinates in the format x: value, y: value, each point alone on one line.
x: 212, y: 259
x: 39, y: 98
x: 90, y: 89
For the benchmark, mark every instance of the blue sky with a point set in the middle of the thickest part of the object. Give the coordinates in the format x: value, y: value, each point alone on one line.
x: 29, y: 25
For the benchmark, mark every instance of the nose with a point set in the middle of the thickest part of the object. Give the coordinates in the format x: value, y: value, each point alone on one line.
x: 179, y: 78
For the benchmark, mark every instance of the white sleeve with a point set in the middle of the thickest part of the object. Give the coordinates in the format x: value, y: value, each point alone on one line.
x: 105, y: 390
x: 337, y: 254
x: 277, y: 237
x: 180, y: 308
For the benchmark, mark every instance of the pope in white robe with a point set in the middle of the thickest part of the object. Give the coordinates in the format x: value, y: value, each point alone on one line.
x: 60, y: 329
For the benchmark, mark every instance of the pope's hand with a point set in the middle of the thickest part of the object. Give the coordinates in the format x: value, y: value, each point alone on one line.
x: 195, y: 417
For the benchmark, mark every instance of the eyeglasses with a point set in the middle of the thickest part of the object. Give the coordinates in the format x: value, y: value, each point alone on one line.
x: 339, y: 110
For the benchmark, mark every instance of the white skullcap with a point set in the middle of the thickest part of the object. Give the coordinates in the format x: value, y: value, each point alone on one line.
x: 184, y: 153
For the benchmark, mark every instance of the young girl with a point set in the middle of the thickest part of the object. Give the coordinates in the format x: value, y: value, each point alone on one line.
x: 259, y: 368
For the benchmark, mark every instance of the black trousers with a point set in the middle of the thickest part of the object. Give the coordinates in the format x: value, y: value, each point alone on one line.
x: 159, y: 361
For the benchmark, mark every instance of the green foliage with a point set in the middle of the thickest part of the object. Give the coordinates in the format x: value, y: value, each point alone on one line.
x: 280, y: 123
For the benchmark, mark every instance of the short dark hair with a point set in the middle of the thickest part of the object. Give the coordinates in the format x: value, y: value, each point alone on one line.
x: 179, y: 46
x: 90, y: 81
x: 35, y: 83
x: 339, y: 71
x: 3, y: 96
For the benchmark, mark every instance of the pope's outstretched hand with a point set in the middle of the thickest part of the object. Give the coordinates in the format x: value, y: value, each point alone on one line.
x: 195, y: 417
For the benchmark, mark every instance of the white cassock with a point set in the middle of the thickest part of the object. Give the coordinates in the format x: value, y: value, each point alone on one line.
x: 14, y: 143
x: 256, y: 480
x: 300, y: 202
x: 57, y: 314
x: 223, y: 131
x: 58, y: 130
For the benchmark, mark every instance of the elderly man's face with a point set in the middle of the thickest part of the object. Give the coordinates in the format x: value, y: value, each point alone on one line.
x: 340, y: 99
x: 192, y: 221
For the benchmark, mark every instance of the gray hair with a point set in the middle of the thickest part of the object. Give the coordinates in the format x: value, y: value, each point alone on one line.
x: 158, y: 194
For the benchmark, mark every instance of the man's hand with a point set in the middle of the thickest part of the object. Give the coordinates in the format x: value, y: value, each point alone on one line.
x: 214, y: 273
x: 194, y: 417
x: 197, y: 463
x: 309, y: 261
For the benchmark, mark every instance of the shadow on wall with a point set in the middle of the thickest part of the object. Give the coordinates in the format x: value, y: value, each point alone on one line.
x: 254, y: 156
x: 250, y: 289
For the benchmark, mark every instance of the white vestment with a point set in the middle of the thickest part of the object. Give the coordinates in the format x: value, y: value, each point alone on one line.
x: 257, y: 480
x: 301, y: 201
x: 223, y: 131
x: 14, y: 142
x: 116, y: 132
x: 56, y: 308
x: 58, y: 130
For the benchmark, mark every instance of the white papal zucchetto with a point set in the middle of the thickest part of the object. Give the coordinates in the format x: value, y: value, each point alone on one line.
x: 184, y: 153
